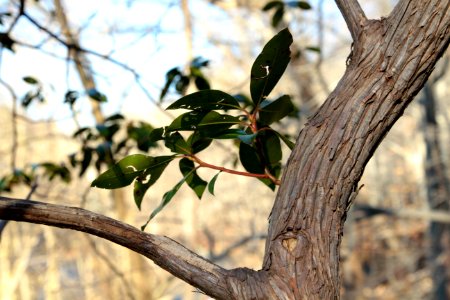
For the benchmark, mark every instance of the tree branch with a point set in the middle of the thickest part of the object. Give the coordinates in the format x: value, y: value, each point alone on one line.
x: 165, y: 252
x: 354, y: 16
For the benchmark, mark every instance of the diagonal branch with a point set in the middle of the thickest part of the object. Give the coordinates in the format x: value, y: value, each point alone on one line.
x: 354, y: 16
x: 164, y: 251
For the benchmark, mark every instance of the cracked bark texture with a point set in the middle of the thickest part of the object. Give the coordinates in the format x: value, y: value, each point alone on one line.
x: 390, y: 62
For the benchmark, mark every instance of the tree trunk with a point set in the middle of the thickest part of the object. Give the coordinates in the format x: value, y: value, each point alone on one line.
x: 390, y: 62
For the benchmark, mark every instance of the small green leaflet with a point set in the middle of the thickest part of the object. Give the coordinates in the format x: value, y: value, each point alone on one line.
x: 124, y: 172
x: 166, y: 199
x: 206, y: 100
x: 212, y: 183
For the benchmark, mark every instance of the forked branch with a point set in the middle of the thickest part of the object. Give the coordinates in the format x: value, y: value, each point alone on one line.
x: 164, y: 251
x: 354, y: 16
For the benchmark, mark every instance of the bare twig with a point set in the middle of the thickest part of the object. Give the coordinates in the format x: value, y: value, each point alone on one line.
x: 354, y: 16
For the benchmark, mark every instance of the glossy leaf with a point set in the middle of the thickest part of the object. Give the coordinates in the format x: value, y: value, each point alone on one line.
x: 250, y: 159
x: 201, y: 83
x: 271, y: 147
x: 123, y: 172
x: 187, y: 121
x: 182, y: 84
x: 212, y: 183
x: 197, y: 142
x: 270, y: 65
x: 176, y: 143
x: 194, y: 181
x: 313, y: 49
x: 206, y: 100
x: 145, y: 180
x: 214, y: 118
x: 276, y: 110
x: 165, y: 200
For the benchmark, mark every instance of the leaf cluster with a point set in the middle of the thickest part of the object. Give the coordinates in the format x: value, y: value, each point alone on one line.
x: 215, y: 115
x: 279, y: 8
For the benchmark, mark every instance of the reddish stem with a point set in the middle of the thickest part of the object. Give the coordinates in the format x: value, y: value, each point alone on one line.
x: 214, y: 167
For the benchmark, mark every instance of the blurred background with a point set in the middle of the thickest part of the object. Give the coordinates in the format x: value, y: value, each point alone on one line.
x: 83, y: 82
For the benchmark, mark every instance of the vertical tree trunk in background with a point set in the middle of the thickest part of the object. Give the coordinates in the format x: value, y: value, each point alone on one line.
x: 438, y: 195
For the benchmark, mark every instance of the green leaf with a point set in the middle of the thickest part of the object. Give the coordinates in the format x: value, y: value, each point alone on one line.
x: 197, y: 142
x: 182, y: 84
x: 230, y: 134
x: 70, y: 97
x: 313, y: 49
x: 276, y: 110
x: 214, y: 118
x: 96, y: 95
x: 250, y: 159
x: 6, y: 41
x: 212, y: 183
x: 248, y: 138
x: 300, y: 4
x: 288, y: 142
x: 176, y: 143
x: 271, y: 147
x: 201, y: 83
x: 206, y: 100
x: 277, y: 16
x: 170, y: 77
x: 145, y: 180
x: 30, y: 80
x: 272, y: 4
x: 187, y: 121
x: 194, y: 181
x: 123, y: 172
x: 165, y: 200
x: 141, y: 134
x: 270, y: 65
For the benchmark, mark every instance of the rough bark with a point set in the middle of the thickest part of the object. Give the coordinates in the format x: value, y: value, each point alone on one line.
x: 390, y: 62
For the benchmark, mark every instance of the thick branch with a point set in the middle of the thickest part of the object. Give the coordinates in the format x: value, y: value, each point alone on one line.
x: 164, y: 251
x: 354, y: 16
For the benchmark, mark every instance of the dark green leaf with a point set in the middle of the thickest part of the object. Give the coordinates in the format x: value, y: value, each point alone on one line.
x: 6, y: 41
x: 182, y: 84
x: 212, y: 184
x: 97, y: 96
x: 201, y: 83
x: 206, y: 100
x: 87, y: 157
x: 176, y: 143
x: 149, y: 177
x: 187, y: 121
x: 250, y: 159
x: 114, y: 117
x: 198, y: 143
x: 314, y: 49
x: 288, y: 143
x: 230, y: 134
x: 70, y: 97
x: 156, y: 134
x: 194, y: 181
x: 248, y: 138
x: 277, y: 16
x: 270, y: 65
x: 214, y: 118
x: 30, y: 80
x: 300, y: 4
x: 276, y: 110
x: 271, y: 147
x: 170, y: 77
x: 124, y: 172
x: 272, y: 4
x: 241, y: 98
x: 141, y: 134
x: 165, y: 200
